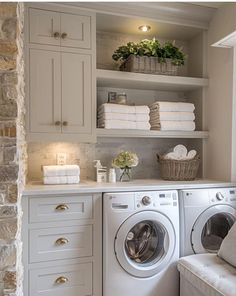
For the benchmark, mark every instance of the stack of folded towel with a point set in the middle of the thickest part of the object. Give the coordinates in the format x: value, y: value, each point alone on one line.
x: 172, y: 116
x: 115, y: 116
x: 61, y: 174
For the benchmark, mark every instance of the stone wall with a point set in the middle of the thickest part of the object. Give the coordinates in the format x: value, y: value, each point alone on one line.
x: 12, y: 146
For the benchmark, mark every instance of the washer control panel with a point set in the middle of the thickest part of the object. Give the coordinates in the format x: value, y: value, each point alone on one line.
x: 156, y: 199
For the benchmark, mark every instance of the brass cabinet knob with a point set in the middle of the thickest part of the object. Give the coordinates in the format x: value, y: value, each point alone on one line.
x: 65, y: 123
x: 61, y: 241
x: 64, y: 35
x: 61, y: 280
x: 57, y: 123
x: 56, y: 35
x: 62, y: 207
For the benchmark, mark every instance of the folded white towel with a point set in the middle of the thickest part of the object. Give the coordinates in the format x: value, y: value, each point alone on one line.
x: 174, y: 126
x: 122, y: 124
x: 177, y: 116
x: 61, y: 170
x: 61, y: 180
x: 124, y: 116
x: 116, y: 108
x: 172, y: 107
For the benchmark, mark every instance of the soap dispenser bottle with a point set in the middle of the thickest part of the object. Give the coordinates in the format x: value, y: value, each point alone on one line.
x: 101, y: 172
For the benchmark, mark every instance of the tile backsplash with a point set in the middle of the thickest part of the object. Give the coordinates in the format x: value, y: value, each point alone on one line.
x: 106, y: 149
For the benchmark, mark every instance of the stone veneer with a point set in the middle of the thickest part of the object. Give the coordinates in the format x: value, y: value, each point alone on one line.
x: 12, y: 146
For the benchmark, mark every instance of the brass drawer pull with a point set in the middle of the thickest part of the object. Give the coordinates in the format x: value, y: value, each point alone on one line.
x: 56, y: 35
x: 62, y: 207
x: 65, y: 123
x: 61, y: 280
x: 63, y: 35
x: 62, y: 241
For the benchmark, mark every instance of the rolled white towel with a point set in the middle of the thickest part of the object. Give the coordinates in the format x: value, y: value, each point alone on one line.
x: 174, y: 126
x: 176, y: 116
x: 123, y: 116
x: 61, y: 180
x: 191, y: 154
x: 181, y: 151
x: 172, y: 106
x: 116, y: 108
x: 61, y: 170
x: 122, y: 124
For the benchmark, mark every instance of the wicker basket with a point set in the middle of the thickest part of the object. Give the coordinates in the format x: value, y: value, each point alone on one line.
x: 178, y: 170
x: 148, y: 65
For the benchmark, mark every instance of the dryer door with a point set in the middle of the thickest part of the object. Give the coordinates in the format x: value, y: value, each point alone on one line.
x: 211, y: 227
x: 145, y: 243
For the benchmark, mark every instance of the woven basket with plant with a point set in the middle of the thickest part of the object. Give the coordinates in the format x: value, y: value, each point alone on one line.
x: 149, y: 56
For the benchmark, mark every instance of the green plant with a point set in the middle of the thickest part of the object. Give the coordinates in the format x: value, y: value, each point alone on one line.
x: 170, y: 51
x: 151, y: 48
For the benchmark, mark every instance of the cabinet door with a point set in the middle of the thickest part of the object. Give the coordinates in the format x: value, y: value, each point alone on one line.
x: 43, y: 25
x: 76, y: 93
x: 44, y: 91
x: 75, y: 30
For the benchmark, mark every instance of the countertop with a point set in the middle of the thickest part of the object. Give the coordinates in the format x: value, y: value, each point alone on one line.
x: 37, y: 188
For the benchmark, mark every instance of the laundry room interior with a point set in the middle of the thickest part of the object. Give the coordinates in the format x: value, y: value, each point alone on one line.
x: 117, y: 148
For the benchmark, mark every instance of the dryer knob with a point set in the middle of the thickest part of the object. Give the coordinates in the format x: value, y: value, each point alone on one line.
x: 146, y: 200
x: 219, y: 196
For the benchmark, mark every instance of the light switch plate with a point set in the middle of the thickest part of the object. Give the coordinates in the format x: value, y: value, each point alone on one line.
x: 61, y: 158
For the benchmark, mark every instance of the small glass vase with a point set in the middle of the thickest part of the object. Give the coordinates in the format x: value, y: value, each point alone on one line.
x: 125, y: 174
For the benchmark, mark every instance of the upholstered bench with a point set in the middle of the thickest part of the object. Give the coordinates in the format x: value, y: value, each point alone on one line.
x: 206, y: 275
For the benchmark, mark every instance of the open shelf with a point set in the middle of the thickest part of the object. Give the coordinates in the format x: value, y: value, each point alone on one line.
x: 121, y: 133
x: 119, y: 79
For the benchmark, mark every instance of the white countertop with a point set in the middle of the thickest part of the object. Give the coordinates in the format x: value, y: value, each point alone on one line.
x: 37, y: 188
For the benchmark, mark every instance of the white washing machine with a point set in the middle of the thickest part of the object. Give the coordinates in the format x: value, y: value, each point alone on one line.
x: 206, y: 215
x: 140, y: 243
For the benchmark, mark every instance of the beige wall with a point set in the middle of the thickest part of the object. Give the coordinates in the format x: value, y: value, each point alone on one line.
x: 219, y: 101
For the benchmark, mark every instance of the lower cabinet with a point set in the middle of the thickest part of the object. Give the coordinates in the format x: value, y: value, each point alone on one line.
x: 62, y: 253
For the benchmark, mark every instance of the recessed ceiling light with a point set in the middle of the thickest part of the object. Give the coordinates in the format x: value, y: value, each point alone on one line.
x: 144, y: 28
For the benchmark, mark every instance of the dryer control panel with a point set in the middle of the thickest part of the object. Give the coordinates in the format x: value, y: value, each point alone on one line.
x: 205, y: 197
x: 224, y: 195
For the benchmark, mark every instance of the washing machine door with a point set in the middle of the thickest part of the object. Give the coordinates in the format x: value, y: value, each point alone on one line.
x: 145, y: 243
x: 211, y: 227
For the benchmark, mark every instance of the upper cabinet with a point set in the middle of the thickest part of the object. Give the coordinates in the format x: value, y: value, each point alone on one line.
x: 60, y: 29
x: 61, y: 81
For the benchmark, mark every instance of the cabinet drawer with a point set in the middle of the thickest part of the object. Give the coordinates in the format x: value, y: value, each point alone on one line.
x: 73, y: 280
x: 64, y: 243
x: 46, y: 209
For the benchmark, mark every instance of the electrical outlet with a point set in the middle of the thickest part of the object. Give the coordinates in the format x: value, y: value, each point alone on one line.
x: 61, y: 158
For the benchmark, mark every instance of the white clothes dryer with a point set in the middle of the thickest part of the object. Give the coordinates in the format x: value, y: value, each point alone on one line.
x: 206, y: 215
x: 140, y: 243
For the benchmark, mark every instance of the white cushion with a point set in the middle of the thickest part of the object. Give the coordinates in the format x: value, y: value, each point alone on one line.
x: 228, y: 247
x: 209, y: 274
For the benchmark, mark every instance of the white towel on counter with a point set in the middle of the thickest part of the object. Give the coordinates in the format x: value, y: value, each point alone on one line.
x: 122, y: 124
x: 61, y: 170
x: 172, y: 107
x: 124, y: 116
x: 116, y: 108
x: 61, y: 180
x: 176, y: 116
x: 174, y: 126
